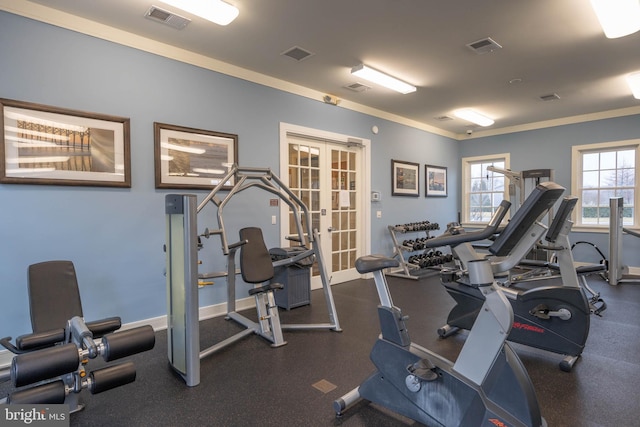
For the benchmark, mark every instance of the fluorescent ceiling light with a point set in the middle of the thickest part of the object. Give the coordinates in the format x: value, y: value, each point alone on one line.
x: 634, y: 83
x: 382, y: 79
x: 215, y: 11
x: 473, y: 117
x: 618, y: 18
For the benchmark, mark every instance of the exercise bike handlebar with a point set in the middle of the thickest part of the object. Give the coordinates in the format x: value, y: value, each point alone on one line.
x: 474, y: 236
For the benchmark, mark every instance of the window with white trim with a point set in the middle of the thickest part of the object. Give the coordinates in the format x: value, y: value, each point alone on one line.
x: 600, y: 172
x: 482, y: 190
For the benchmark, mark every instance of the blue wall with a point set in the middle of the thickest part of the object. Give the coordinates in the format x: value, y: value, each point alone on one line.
x: 115, y: 236
x: 551, y: 148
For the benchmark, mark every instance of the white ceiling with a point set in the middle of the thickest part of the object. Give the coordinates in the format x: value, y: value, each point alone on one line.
x: 548, y: 46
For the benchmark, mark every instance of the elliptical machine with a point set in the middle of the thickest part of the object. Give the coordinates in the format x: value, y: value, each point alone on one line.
x: 552, y: 317
x: 487, y: 385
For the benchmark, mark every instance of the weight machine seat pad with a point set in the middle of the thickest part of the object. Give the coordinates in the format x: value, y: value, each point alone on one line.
x: 369, y: 263
x: 266, y: 288
x: 102, y: 327
x: 255, y: 261
x: 54, y: 297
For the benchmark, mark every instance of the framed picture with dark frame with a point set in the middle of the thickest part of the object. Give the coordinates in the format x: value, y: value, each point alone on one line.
x: 405, y: 178
x: 193, y: 158
x: 41, y: 144
x: 435, y: 181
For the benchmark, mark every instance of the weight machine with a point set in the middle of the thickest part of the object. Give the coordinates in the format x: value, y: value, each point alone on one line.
x: 182, y: 270
x: 618, y: 272
x: 50, y: 366
x: 522, y: 183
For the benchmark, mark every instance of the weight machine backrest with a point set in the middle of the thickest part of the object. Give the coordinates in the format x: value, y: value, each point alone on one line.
x: 255, y: 261
x: 541, y: 199
x: 54, y: 297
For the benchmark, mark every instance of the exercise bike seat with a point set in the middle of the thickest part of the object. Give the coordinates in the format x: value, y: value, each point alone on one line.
x: 369, y: 263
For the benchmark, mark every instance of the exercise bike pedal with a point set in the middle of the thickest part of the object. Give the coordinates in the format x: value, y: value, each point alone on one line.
x: 447, y: 330
x: 597, y: 306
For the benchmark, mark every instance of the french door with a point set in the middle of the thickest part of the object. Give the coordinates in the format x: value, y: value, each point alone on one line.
x: 328, y: 175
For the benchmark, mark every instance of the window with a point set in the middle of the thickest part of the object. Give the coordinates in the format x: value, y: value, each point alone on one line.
x: 603, y: 171
x: 483, y: 190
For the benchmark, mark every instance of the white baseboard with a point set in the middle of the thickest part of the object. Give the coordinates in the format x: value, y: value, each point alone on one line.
x: 159, y: 323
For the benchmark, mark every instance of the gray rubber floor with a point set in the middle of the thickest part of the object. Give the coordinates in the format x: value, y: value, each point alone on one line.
x: 252, y: 384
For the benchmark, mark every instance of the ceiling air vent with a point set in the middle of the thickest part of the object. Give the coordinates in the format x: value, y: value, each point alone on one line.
x: 357, y: 87
x: 443, y: 118
x: 550, y: 97
x: 168, y: 18
x: 484, y: 46
x: 297, y: 53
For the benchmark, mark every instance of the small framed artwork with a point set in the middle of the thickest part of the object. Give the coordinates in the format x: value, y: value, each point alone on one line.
x: 405, y: 178
x: 435, y: 181
x: 193, y: 158
x: 40, y: 144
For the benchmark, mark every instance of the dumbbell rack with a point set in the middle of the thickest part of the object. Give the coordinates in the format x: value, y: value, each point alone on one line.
x: 406, y: 269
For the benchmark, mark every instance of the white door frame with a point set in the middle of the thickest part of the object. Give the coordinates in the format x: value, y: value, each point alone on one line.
x: 364, y: 167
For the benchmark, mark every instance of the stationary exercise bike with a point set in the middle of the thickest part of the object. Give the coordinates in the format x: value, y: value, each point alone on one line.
x: 549, y: 316
x: 486, y: 386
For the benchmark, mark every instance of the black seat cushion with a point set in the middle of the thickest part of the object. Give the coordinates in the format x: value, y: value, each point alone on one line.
x: 54, y: 297
x: 255, y: 261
